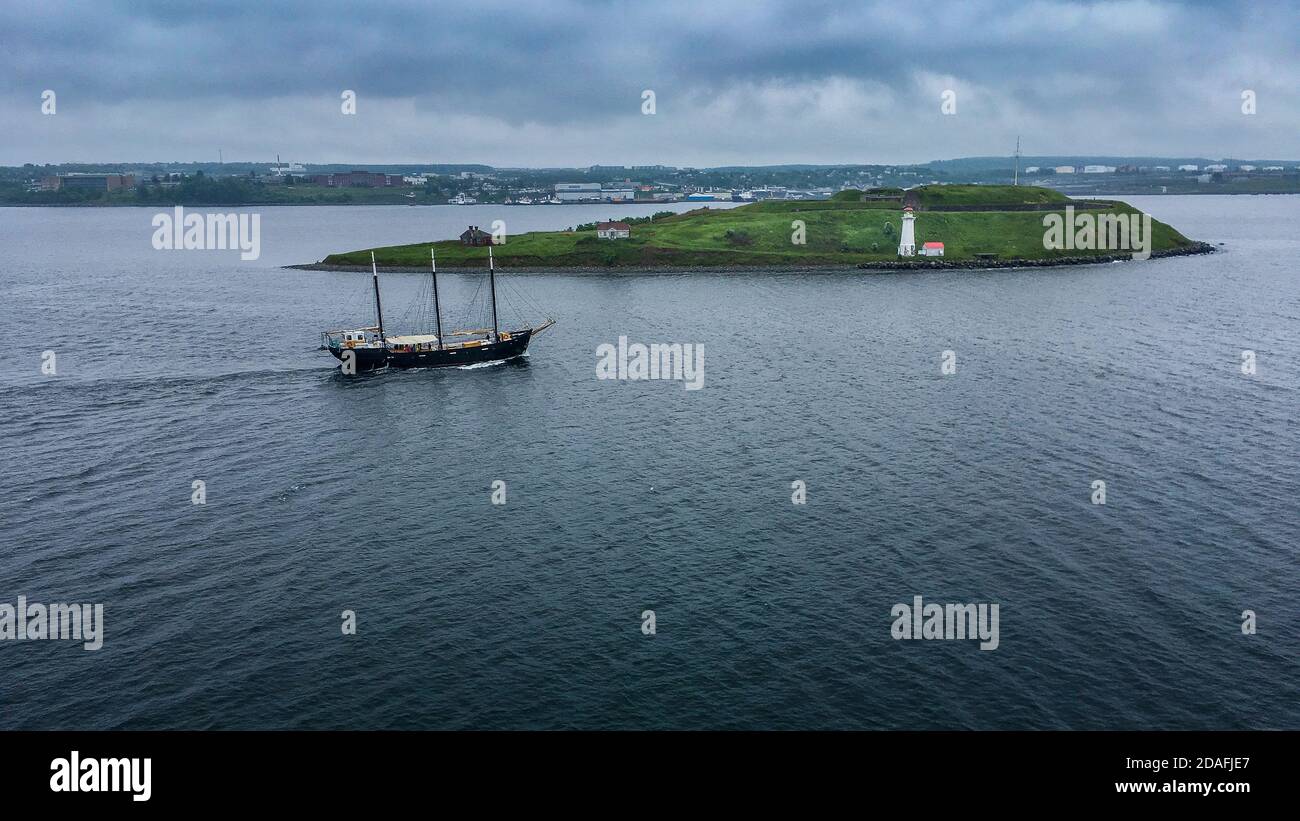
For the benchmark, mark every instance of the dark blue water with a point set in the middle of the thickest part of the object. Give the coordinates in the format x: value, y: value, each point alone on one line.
x: 373, y: 494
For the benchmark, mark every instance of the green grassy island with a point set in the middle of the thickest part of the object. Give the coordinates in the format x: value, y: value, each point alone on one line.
x: 980, y: 226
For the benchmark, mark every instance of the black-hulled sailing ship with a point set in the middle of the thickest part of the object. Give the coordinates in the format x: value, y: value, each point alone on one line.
x: 370, y: 348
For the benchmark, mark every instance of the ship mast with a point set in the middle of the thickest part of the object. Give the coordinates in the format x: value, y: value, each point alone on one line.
x: 492, y: 279
x: 437, y: 314
x: 379, y: 311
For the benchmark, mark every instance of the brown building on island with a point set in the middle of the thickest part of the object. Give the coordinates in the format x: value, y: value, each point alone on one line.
x: 475, y: 236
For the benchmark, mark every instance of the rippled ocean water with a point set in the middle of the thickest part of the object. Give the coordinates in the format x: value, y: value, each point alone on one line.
x: 373, y: 494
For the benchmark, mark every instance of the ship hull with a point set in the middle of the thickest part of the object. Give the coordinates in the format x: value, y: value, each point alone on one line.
x: 369, y: 359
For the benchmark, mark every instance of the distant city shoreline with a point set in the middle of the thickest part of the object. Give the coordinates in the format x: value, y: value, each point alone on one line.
x: 621, y: 204
x: 286, y: 183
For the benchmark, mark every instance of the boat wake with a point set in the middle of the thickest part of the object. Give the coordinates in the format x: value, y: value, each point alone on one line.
x: 477, y: 365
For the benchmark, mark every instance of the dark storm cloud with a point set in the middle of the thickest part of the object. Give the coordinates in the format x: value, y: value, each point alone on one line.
x: 480, y: 59
x: 1147, y: 68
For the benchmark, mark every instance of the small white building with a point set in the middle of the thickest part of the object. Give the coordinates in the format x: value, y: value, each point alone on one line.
x: 932, y: 249
x: 1188, y: 168
x: 1099, y: 169
x: 1216, y: 168
x: 613, y: 230
x: 1064, y: 169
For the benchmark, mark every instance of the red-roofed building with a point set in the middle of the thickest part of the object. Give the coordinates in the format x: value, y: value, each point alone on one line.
x: 613, y: 230
x: 932, y: 249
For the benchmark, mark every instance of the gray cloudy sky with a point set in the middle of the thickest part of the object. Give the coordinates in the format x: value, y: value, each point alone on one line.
x: 519, y: 83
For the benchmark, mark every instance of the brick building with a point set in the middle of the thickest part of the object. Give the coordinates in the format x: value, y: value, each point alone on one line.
x: 359, y: 179
x: 94, y: 182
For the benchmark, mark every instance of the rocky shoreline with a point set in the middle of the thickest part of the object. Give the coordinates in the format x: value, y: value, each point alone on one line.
x: 899, y: 265
x: 1090, y: 259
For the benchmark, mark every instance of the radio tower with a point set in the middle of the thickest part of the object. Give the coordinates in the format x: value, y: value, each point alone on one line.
x: 1016, y: 179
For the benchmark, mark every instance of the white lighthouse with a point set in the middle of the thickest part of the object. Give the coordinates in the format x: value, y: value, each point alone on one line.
x: 907, y: 237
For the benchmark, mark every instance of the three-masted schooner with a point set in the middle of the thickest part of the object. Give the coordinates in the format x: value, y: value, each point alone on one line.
x: 369, y: 348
